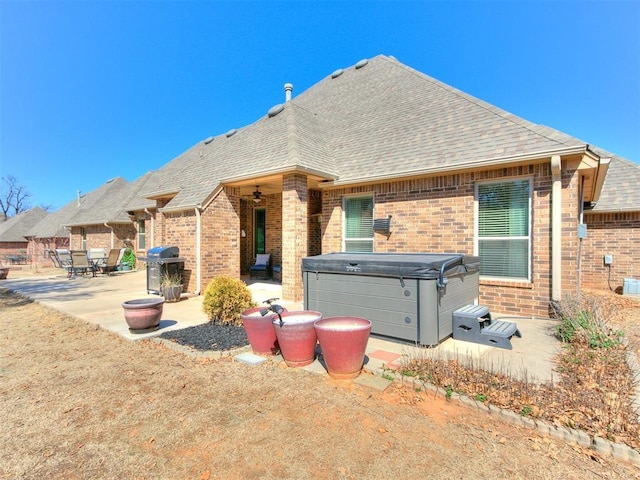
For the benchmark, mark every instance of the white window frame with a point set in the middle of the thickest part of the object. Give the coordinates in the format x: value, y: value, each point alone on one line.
x: 142, y: 235
x: 345, y: 199
x: 529, y: 237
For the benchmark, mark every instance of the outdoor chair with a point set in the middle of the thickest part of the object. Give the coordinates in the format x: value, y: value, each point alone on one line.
x: 62, y: 259
x: 80, y: 263
x: 111, y: 263
x: 262, y: 267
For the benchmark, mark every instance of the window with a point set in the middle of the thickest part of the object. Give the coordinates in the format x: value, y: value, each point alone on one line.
x: 358, y: 224
x: 142, y: 241
x: 83, y: 234
x: 504, y: 229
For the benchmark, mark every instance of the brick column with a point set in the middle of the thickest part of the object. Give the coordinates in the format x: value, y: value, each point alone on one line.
x: 294, y: 234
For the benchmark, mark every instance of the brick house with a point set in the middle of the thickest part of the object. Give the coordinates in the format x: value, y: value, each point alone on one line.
x: 93, y: 220
x: 380, y: 140
x: 14, y: 246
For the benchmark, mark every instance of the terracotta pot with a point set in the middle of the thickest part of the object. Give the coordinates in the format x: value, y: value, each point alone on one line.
x: 143, y: 315
x: 343, y: 341
x: 260, y: 331
x: 297, y: 336
x: 3, y: 273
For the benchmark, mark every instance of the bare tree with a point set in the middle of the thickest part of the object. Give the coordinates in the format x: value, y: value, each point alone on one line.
x: 13, y: 197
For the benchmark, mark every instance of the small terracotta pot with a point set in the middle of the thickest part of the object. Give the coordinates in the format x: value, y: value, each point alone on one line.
x: 3, y: 273
x: 343, y: 341
x: 143, y: 315
x: 297, y: 336
x: 172, y: 293
x: 260, y: 331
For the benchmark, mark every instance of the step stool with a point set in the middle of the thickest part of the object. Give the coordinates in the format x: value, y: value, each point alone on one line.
x: 472, y: 323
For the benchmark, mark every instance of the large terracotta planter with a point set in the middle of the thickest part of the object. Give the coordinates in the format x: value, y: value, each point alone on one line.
x: 343, y: 341
x: 297, y: 336
x: 143, y: 315
x: 260, y: 331
x: 3, y: 273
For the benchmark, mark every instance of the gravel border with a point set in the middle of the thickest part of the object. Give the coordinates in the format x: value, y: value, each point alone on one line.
x: 209, y: 337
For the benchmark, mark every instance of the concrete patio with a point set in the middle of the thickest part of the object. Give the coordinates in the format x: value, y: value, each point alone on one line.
x: 98, y: 300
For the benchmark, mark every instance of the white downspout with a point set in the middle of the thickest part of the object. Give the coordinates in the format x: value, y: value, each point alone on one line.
x: 110, y: 228
x: 198, y: 249
x: 152, y: 242
x: 556, y: 228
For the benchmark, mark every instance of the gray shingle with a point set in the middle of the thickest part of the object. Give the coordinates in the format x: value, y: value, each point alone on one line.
x: 384, y: 119
x: 17, y: 227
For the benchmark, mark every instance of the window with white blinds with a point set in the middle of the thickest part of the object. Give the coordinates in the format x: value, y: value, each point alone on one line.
x: 358, y: 224
x: 504, y: 229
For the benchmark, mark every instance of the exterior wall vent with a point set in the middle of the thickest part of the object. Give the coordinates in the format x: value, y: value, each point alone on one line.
x: 208, y: 140
x: 337, y: 73
x: 231, y: 132
x: 273, y: 111
x: 362, y: 63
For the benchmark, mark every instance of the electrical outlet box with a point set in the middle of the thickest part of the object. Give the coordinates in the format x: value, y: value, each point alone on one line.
x: 582, y: 230
x: 608, y: 259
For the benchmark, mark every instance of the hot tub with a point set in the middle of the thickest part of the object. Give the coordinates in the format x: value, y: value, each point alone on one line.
x: 408, y: 296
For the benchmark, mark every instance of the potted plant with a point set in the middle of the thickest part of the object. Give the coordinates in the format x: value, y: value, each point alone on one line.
x: 171, y: 286
x: 128, y: 260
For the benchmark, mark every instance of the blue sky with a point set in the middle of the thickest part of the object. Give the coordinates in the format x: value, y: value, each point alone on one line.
x: 91, y: 90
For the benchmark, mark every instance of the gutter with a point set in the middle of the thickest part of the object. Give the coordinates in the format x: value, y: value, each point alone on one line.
x: 556, y: 228
x: 473, y: 164
x: 198, y: 251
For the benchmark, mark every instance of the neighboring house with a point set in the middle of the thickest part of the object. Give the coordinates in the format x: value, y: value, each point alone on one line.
x: 380, y: 140
x: 14, y: 246
x: 101, y: 221
x: 93, y: 220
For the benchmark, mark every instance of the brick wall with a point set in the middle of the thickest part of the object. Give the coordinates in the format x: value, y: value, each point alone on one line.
x: 38, y: 249
x: 436, y: 214
x: 180, y: 230
x: 99, y: 236
x: 616, y: 234
x: 294, y: 233
x: 220, y: 236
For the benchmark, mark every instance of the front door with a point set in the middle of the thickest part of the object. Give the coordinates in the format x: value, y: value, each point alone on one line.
x: 259, y: 229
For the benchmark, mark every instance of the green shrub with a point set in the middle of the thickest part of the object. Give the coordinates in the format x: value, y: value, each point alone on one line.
x: 225, y: 298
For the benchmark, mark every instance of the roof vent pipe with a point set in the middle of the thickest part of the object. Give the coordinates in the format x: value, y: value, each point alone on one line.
x: 288, y: 88
x: 78, y: 197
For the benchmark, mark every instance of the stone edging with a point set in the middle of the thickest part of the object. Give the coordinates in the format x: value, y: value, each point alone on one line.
x: 602, y: 446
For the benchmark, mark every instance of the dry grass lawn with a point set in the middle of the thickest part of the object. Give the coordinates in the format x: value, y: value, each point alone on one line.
x: 79, y: 402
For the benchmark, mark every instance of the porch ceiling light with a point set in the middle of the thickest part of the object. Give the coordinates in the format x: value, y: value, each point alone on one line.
x: 257, y: 195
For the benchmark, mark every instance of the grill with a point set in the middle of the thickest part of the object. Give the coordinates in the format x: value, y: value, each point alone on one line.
x: 162, y: 261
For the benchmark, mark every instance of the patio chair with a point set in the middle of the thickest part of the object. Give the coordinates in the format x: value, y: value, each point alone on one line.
x: 262, y: 267
x: 61, y: 258
x: 80, y: 263
x: 111, y: 263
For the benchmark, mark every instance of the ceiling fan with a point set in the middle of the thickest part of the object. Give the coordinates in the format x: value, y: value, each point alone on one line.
x: 257, y: 195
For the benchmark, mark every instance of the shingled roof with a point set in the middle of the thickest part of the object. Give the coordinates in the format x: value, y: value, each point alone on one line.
x: 376, y: 120
x: 104, y: 204
x: 16, y: 228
